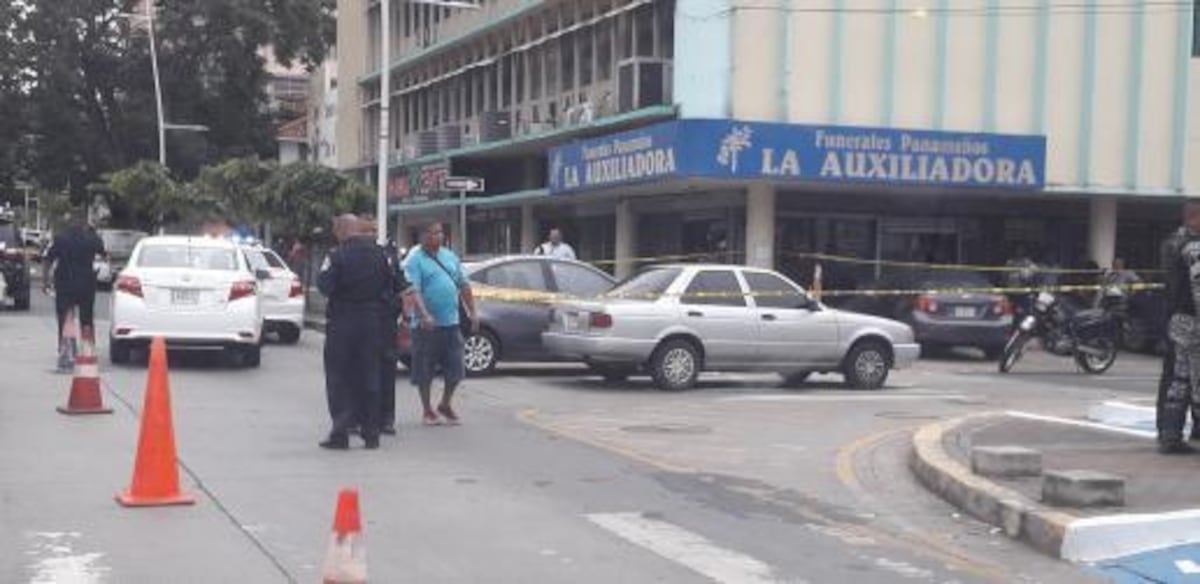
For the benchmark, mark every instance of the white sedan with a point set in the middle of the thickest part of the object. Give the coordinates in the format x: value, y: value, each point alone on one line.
x: 195, y: 292
x: 282, y: 294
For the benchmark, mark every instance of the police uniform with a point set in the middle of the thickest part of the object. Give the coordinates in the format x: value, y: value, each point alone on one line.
x: 391, y: 330
x: 358, y: 282
x: 1179, y: 388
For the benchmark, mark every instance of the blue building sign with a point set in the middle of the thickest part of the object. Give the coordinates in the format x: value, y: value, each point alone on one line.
x: 731, y: 149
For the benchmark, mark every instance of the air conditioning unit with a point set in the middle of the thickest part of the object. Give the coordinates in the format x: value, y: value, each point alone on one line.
x: 427, y: 142
x: 449, y: 137
x: 495, y: 126
x: 643, y: 82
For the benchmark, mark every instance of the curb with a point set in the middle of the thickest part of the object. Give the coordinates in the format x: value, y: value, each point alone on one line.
x: 1042, y: 528
x: 1056, y: 533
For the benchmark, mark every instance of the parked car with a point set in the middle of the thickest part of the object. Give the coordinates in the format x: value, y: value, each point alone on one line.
x: 674, y: 321
x: 119, y: 244
x: 14, y: 266
x: 282, y: 294
x: 515, y: 295
x: 944, y: 318
x: 196, y: 293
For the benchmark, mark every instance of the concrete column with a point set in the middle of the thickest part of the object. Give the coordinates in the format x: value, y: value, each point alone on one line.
x: 1102, y: 231
x: 529, y: 234
x: 626, y: 240
x: 760, y: 225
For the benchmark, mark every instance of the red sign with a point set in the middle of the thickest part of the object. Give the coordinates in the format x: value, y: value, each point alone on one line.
x: 418, y: 183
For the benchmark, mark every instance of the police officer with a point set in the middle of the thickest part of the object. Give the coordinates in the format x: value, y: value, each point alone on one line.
x: 1179, y: 389
x: 357, y: 280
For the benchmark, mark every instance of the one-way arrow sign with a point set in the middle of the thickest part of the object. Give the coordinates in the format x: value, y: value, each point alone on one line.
x: 470, y: 184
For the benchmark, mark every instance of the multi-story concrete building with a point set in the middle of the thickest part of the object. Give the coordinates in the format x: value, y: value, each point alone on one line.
x: 760, y: 131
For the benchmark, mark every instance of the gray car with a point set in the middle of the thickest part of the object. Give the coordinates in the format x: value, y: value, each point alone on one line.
x: 514, y: 296
x: 674, y: 321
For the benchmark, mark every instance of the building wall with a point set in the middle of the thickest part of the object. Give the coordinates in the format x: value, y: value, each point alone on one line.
x: 352, y: 54
x: 1108, y: 87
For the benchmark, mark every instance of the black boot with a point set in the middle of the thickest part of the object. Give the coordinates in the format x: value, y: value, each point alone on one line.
x: 336, y: 442
x: 370, y: 441
x: 1175, y: 446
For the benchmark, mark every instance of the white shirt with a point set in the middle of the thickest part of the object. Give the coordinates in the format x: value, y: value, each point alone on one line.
x: 562, y: 251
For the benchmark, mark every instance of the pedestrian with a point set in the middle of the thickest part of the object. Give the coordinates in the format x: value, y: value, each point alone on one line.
x: 400, y: 289
x: 357, y: 281
x: 69, y: 264
x: 555, y: 247
x: 1178, y: 387
x: 438, y: 285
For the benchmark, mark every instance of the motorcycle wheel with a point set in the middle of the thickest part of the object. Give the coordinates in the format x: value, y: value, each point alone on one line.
x: 1013, y: 350
x: 1098, y: 364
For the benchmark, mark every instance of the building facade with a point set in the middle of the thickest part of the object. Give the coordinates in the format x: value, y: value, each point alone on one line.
x: 764, y: 132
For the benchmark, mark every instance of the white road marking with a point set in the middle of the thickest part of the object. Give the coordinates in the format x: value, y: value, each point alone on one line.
x: 57, y: 563
x: 841, y: 397
x: 1096, y: 539
x: 686, y: 548
x: 1083, y: 424
x: 1187, y: 566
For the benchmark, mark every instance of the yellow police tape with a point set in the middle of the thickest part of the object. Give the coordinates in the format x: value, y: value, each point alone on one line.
x: 537, y: 297
x: 853, y: 260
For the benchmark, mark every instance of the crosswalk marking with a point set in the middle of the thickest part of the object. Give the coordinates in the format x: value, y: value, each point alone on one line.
x: 686, y: 548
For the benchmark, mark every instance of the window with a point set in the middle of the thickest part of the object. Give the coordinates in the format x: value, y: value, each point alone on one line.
x: 579, y: 281
x: 604, y: 51
x: 771, y: 291
x: 647, y: 284
x: 1196, y: 28
x: 585, y: 57
x: 643, y: 22
x: 535, y: 74
x: 567, y: 49
x: 527, y: 275
x: 183, y: 256
x: 715, y: 287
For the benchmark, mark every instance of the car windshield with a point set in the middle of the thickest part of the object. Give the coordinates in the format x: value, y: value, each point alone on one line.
x: 186, y: 256
x: 952, y: 279
x: 648, y: 284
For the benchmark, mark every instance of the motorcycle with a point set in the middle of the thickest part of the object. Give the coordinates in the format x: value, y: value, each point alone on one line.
x: 1088, y: 336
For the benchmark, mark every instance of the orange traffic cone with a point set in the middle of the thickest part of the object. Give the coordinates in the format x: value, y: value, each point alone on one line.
x: 156, y: 470
x: 85, y: 386
x: 346, y: 558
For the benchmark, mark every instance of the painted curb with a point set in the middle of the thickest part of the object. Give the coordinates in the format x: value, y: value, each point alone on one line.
x: 1042, y: 528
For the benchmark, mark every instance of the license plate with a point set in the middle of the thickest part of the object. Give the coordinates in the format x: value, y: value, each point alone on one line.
x: 185, y: 297
x: 964, y: 312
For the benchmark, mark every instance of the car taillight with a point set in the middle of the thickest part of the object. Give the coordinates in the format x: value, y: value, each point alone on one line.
x: 1004, y: 307
x: 130, y: 285
x: 601, y: 320
x: 242, y: 290
x: 927, y: 304
x: 297, y: 290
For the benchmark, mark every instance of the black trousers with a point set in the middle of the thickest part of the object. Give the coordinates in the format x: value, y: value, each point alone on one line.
x: 387, y: 373
x: 84, y: 301
x: 1172, y: 406
x: 353, y: 357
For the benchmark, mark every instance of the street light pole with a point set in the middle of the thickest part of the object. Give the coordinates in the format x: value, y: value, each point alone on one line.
x: 385, y: 98
x: 158, y: 98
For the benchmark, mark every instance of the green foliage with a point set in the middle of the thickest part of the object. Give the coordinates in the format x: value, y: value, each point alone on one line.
x: 145, y: 195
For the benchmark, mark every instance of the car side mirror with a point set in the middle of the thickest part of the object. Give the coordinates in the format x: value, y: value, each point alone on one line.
x: 262, y: 274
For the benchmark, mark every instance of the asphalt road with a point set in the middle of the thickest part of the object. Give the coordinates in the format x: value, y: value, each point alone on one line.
x: 553, y: 477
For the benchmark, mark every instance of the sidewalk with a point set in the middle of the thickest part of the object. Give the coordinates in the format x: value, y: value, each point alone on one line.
x: 1160, y: 520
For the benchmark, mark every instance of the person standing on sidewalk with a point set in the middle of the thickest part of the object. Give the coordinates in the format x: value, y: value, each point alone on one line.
x: 555, y: 247
x: 438, y: 284
x: 1178, y: 388
x: 69, y: 263
x: 357, y: 280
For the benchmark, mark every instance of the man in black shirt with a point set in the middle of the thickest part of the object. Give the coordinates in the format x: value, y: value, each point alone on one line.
x: 1179, y: 388
x: 71, y: 260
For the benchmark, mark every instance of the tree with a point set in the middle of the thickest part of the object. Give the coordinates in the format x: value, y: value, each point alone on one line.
x: 238, y: 188
x: 146, y: 196
x: 304, y: 198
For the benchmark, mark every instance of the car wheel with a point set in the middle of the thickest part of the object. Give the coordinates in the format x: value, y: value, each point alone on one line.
x: 289, y: 334
x: 252, y: 356
x: 795, y: 378
x: 481, y: 351
x: 867, y: 365
x: 119, y: 352
x: 675, y: 365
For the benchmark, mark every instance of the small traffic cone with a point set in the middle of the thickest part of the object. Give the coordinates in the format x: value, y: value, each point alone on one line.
x: 85, y: 386
x: 346, y: 557
x: 156, y: 470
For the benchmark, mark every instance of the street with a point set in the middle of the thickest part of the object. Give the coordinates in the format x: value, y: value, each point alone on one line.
x: 554, y: 476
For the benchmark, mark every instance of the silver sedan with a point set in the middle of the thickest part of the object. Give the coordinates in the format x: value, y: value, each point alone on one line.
x: 674, y: 321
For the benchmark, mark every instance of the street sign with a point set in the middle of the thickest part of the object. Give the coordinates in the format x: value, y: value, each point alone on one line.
x: 469, y: 184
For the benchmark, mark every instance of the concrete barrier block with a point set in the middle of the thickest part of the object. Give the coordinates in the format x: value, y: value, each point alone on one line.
x: 1006, y: 461
x: 1082, y: 488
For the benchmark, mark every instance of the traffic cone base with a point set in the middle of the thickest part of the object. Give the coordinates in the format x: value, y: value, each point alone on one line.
x: 85, y: 395
x: 156, y: 469
x: 127, y: 499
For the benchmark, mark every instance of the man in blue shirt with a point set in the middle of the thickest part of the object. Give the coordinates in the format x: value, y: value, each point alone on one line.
x: 436, y: 277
